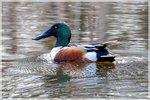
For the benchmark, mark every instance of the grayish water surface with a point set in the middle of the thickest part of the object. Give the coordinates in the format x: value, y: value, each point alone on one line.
x: 26, y: 75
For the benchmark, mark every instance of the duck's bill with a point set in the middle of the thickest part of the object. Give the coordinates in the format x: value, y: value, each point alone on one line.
x: 44, y: 35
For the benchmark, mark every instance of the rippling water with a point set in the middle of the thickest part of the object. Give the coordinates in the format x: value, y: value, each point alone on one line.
x: 26, y: 75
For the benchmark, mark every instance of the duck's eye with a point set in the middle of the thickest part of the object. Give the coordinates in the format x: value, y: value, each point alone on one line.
x: 55, y: 27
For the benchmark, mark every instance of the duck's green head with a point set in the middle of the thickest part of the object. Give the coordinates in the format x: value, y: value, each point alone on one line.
x: 59, y: 30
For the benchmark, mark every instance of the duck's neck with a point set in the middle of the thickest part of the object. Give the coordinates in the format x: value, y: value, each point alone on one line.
x: 62, y: 42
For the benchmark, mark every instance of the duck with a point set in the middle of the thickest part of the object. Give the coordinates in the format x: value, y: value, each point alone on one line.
x: 66, y: 52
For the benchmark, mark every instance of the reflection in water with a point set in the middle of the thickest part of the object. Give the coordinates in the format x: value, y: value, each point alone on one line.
x: 31, y: 77
x: 90, y: 23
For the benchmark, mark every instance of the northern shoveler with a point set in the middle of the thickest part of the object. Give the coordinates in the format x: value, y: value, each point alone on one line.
x: 65, y: 52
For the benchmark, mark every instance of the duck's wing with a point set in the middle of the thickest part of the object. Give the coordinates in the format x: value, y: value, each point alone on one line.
x: 98, y: 53
x: 94, y: 47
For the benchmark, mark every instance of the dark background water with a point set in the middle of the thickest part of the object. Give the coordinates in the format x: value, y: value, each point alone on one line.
x: 26, y: 76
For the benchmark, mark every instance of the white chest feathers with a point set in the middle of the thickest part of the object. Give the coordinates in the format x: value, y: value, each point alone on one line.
x: 54, y: 51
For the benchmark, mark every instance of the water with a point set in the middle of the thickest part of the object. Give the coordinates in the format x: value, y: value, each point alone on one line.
x: 26, y: 75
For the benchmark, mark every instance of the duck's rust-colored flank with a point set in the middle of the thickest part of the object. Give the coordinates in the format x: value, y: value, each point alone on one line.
x: 69, y: 54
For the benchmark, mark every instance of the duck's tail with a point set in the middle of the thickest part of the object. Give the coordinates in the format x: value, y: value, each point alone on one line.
x: 108, y: 57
